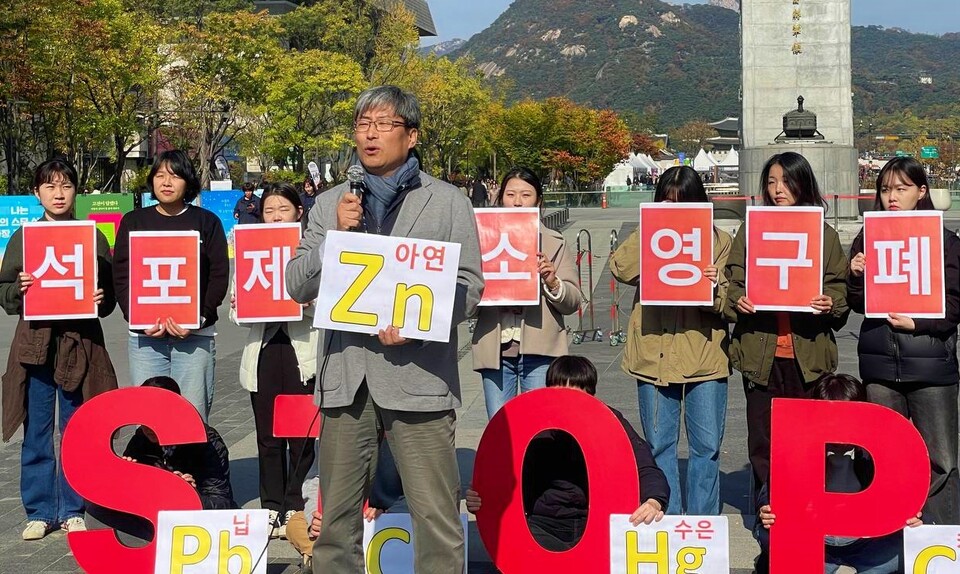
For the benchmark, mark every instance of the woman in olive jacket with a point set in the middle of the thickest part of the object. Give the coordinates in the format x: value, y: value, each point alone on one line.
x: 513, y: 346
x: 781, y: 354
x: 910, y: 365
x: 678, y: 355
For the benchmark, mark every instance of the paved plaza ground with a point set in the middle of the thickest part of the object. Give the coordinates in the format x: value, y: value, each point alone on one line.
x: 233, y: 417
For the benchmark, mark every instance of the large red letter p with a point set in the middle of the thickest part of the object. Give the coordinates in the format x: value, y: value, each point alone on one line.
x: 806, y: 512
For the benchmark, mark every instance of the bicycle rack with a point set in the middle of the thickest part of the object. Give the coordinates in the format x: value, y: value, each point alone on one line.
x: 617, y: 336
x: 591, y: 333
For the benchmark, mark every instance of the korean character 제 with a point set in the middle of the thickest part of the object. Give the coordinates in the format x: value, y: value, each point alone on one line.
x: 407, y: 251
x: 704, y: 530
x: 683, y: 529
x: 241, y: 527
x: 434, y: 255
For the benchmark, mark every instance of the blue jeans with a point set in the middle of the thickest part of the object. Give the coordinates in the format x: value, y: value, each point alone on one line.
x: 44, y: 490
x: 190, y: 362
x: 524, y: 372
x: 704, y: 415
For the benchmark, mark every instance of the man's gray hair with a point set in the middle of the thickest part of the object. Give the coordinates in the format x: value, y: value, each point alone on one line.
x: 404, y: 104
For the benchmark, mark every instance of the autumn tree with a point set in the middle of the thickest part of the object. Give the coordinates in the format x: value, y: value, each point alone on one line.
x: 691, y: 136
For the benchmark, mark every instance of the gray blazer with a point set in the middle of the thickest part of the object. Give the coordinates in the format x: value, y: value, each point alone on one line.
x: 420, y: 375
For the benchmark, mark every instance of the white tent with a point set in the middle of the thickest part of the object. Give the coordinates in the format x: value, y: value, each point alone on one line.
x: 618, y: 177
x: 703, y: 161
x: 732, y: 160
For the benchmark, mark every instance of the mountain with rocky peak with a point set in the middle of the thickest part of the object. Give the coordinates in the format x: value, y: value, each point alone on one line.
x: 683, y: 62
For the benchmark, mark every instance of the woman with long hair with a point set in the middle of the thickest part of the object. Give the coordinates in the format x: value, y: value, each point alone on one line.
x: 678, y: 355
x: 513, y: 346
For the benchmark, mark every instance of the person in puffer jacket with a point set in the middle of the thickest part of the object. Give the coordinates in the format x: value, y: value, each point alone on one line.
x: 910, y: 365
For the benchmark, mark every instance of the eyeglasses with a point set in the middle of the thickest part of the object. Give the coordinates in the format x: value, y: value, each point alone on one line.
x: 382, y: 126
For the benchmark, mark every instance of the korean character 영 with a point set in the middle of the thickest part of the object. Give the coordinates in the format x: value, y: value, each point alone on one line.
x: 241, y: 527
x: 683, y: 529
x: 405, y: 251
x: 704, y: 530
x: 434, y: 255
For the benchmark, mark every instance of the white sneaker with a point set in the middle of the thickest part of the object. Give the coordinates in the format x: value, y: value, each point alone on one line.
x: 36, y: 530
x: 283, y: 527
x: 74, y: 524
x: 274, y: 524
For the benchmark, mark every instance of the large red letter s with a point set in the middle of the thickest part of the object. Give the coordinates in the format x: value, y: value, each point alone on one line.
x: 105, y: 479
x: 611, y: 476
x: 805, y: 512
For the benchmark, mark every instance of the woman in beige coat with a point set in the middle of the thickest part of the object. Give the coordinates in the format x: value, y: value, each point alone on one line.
x: 513, y: 346
x: 679, y: 357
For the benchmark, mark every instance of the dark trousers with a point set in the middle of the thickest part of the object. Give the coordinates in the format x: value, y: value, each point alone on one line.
x: 281, y: 472
x: 933, y: 410
x: 786, y: 381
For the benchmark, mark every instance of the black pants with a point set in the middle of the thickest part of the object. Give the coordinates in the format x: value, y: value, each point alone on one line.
x: 786, y: 381
x: 278, y: 374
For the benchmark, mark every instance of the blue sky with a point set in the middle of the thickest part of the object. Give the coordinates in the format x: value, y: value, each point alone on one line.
x: 464, y: 18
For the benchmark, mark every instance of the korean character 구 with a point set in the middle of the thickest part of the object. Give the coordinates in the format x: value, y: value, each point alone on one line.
x: 683, y: 529
x: 704, y: 527
x: 241, y: 527
x: 434, y: 255
x: 405, y: 251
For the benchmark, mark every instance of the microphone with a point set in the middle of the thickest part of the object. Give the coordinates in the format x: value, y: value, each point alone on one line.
x: 355, y: 175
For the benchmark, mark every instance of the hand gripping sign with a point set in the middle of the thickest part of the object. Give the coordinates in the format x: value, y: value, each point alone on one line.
x: 388, y: 544
x: 784, y: 257
x: 102, y: 478
x: 676, y: 244
x: 931, y: 549
x: 164, y: 278
x: 370, y: 282
x: 675, y: 544
x: 262, y: 253
x: 904, y: 270
x: 806, y: 512
x: 509, y: 243
x: 611, y: 475
x: 62, y: 257
x: 222, y: 541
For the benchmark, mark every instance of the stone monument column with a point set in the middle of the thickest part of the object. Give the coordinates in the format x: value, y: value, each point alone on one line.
x: 792, y: 48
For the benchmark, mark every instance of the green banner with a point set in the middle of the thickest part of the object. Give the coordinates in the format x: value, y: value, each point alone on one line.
x: 106, y: 209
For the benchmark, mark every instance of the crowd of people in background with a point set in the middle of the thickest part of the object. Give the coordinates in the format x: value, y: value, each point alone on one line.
x: 374, y: 391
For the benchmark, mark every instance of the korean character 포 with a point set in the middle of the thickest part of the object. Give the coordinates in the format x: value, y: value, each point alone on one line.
x: 704, y: 527
x: 405, y: 251
x: 434, y: 255
x: 241, y: 527
x: 683, y: 529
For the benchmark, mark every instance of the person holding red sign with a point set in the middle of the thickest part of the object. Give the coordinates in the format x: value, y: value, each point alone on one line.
x: 554, y: 474
x: 910, y: 364
x: 781, y: 354
x: 513, y: 346
x: 678, y: 355
x: 167, y: 349
x: 51, y: 362
x: 280, y: 359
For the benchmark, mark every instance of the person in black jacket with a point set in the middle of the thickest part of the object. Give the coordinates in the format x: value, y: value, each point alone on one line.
x: 910, y: 365
x: 555, y: 494
x: 167, y: 348
x: 205, y: 466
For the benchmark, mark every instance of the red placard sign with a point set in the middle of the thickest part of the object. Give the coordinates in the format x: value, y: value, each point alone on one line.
x: 676, y: 244
x: 805, y: 510
x: 62, y: 257
x: 164, y: 278
x: 509, y: 243
x: 784, y: 257
x: 498, y: 473
x: 262, y: 253
x: 904, y: 271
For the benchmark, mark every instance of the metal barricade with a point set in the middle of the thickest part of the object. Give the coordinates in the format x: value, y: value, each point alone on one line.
x: 616, y: 336
x: 591, y: 333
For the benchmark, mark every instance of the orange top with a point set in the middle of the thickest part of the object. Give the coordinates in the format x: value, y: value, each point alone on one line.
x: 784, y: 337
